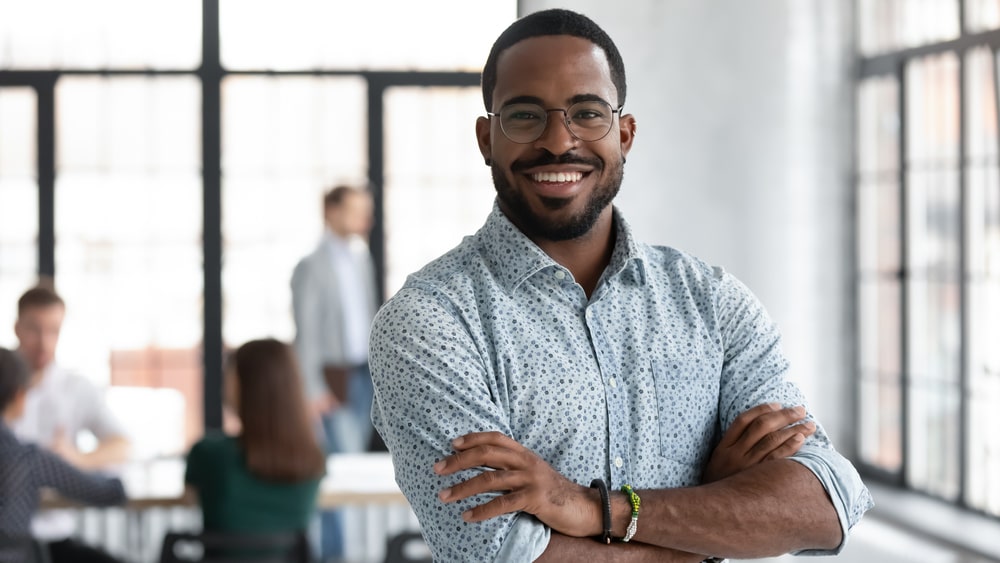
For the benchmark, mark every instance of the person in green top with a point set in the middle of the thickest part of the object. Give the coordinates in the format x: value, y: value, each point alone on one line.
x: 266, y: 478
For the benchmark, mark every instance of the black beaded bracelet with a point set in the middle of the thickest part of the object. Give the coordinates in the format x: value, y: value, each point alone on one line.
x: 602, y: 488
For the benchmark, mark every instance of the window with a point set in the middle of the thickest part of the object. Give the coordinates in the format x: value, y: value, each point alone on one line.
x: 170, y: 180
x: 928, y: 196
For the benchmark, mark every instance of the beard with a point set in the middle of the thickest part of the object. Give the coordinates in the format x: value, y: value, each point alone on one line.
x: 519, y: 211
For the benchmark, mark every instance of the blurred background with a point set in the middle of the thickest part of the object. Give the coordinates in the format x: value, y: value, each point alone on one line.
x: 165, y: 162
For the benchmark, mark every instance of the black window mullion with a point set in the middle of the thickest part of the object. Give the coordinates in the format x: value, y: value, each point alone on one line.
x: 46, y: 162
x: 211, y: 74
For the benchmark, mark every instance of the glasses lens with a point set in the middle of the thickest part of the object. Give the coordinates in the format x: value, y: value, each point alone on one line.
x: 590, y: 121
x: 587, y: 121
x: 522, y: 123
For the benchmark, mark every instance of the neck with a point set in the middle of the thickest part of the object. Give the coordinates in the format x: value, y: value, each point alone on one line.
x: 585, y: 257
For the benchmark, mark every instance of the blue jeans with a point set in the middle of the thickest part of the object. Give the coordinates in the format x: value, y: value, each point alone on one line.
x: 348, y: 429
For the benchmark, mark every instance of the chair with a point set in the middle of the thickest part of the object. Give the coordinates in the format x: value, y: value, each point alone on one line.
x: 233, y: 547
x: 30, y: 550
x: 399, y: 547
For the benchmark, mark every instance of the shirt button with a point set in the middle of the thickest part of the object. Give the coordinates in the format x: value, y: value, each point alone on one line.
x: 613, y: 383
x: 560, y: 275
x: 619, y: 462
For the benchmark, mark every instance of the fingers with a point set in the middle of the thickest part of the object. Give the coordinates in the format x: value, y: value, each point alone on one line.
x: 483, y: 449
x: 782, y: 443
x: 790, y: 446
x: 757, y: 424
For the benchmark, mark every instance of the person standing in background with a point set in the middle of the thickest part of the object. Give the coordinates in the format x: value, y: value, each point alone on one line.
x: 59, y: 406
x: 334, y: 298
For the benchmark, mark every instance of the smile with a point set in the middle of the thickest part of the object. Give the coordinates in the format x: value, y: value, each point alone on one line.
x: 557, y: 177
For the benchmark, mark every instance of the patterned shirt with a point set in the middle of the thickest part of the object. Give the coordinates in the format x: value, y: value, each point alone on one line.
x: 26, y: 468
x: 635, y: 384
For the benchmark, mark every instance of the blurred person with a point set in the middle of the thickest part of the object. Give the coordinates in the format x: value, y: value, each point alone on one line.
x: 334, y: 298
x: 266, y: 477
x: 61, y: 404
x: 334, y: 301
x: 553, y: 350
x: 26, y: 468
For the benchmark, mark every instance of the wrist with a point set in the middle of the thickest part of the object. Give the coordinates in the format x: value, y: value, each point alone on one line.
x: 621, y: 514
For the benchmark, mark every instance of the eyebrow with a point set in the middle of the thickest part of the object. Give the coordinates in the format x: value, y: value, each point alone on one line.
x: 538, y: 101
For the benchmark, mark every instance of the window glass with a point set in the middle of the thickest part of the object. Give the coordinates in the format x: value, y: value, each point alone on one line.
x: 886, y: 25
x: 879, y: 269
x: 934, y: 300
x: 377, y: 34
x: 982, y: 15
x: 982, y: 234
x: 285, y: 141
x: 120, y: 34
x: 18, y: 203
x: 437, y: 189
x: 128, y: 230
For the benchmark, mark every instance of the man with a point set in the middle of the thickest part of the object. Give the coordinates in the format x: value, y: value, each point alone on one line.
x: 333, y: 301
x: 552, y: 350
x: 59, y: 406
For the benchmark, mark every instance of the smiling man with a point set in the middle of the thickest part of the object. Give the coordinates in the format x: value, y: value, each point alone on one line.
x: 554, y: 389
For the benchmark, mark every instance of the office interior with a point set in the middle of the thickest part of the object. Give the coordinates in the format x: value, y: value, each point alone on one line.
x: 164, y: 162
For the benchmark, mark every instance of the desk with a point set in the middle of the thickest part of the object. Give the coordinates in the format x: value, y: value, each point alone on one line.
x: 361, y: 482
x: 351, y: 479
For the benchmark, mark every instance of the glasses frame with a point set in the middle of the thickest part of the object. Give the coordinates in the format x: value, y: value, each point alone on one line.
x: 566, y: 121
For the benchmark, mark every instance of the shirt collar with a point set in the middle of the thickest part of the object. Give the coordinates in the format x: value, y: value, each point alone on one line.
x: 514, y: 258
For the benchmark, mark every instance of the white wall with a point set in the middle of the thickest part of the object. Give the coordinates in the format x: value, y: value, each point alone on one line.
x: 742, y: 158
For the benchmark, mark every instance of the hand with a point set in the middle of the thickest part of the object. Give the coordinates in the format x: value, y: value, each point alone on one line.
x: 64, y: 448
x: 764, y: 432
x: 325, y: 403
x: 527, y: 482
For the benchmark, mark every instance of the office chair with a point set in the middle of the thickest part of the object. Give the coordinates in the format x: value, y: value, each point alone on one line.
x: 396, y: 548
x: 29, y: 550
x: 233, y: 547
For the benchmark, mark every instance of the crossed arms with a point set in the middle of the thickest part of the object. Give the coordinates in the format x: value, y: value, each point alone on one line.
x: 754, y: 501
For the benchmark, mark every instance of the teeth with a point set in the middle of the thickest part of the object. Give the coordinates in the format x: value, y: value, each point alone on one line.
x: 557, y: 177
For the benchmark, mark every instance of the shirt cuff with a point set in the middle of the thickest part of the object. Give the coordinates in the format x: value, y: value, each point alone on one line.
x: 526, y: 540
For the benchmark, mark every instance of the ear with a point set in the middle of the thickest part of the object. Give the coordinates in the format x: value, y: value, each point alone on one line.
x: 626, y: 132
x: 484, y: 137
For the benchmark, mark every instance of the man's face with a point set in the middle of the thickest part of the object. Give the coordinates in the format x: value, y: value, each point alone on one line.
x: 352, y: 217
x: 556, y: 187
x: 37, y: 330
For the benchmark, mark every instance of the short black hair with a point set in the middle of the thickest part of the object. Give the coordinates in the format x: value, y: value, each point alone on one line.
x: 553, y: 22
x: 14, y: 376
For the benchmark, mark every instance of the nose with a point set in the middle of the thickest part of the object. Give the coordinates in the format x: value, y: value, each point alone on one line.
x: 556, y: 137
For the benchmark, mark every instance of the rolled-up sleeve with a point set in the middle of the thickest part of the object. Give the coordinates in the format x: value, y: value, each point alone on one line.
x: 848, y: 493
x: 754, y: 373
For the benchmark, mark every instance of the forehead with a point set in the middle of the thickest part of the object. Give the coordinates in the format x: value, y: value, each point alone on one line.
x: 553, y: 68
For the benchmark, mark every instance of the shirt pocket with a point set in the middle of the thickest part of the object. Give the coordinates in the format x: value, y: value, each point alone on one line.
x: 688, y: 406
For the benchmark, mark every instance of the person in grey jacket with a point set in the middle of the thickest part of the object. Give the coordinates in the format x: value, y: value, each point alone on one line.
x: 334, y: 298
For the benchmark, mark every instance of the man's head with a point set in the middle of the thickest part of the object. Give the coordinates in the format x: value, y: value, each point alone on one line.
x: 40, y: 313
x: 348, y: 211
x: 15, y: 379
x: 558, y: 185
x: 554, y: 22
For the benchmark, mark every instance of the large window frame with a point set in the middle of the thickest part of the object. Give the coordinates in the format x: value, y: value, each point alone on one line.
x: 899, y: 472
x: 211, y: 75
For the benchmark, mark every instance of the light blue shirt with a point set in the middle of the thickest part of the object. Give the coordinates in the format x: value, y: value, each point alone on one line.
x: 358, y: 310
x: 635, y: 384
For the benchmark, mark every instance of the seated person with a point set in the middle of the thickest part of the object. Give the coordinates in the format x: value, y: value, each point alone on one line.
x: 26, y: 468
x: 61, y: 405
x: 266, y: 478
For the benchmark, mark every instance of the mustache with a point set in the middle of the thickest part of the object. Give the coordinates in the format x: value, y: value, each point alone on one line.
x: 548, y: 158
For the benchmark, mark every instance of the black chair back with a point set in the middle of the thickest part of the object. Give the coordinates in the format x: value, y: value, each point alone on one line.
x: 398, y: 546
x: 29, y: 550
x: 230, y: 547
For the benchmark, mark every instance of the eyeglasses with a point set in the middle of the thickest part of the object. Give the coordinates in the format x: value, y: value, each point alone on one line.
x: 587, y: 121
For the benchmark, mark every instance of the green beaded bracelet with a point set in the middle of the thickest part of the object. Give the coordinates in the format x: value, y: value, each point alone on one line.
x: 635, y: 501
